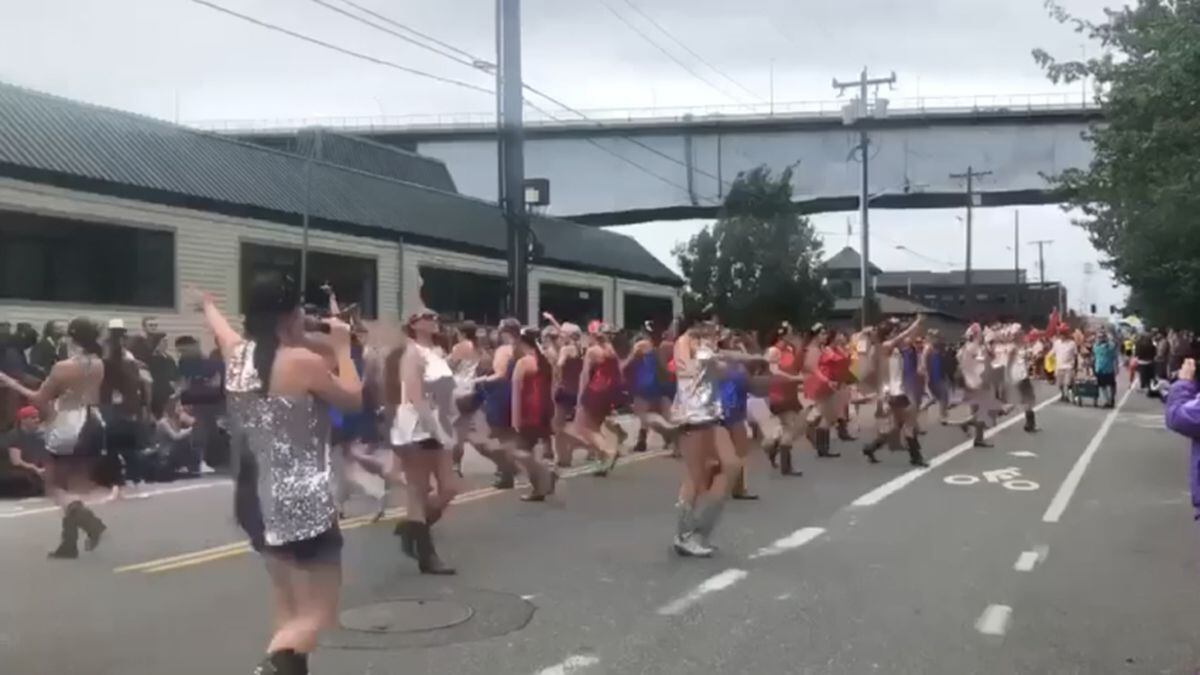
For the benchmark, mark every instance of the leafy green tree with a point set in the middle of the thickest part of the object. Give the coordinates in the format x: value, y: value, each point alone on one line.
x: 1140, y: 197
x: 759, y: 263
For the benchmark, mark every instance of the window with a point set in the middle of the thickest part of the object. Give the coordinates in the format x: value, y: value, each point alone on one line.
x: 464, y: 295
x: 51, y: 259
x: 353, y: 279
x: 642, y: 308
x: 577, y: 304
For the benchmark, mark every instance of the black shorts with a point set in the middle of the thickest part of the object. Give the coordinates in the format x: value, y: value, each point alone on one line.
x: 900, y: 402
x: 1106, y: 379
x: 699, y: 426
x: 323, y: 548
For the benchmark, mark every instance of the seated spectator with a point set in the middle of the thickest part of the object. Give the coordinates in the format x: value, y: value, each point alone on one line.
x: 23, y: 456
x: 173, y: 448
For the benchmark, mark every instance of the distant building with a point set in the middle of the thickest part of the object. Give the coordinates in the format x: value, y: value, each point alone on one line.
x: 109, y: 214
x: 1000, y: 295
x: 842, y: 274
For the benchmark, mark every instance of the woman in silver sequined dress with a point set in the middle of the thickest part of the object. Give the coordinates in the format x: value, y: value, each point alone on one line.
x: 280, y: 383
x: 698, y: 412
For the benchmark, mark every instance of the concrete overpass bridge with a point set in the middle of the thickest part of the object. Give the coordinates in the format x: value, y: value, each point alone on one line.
x: 620, y: 167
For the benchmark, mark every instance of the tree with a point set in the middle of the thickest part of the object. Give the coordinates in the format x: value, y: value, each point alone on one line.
x: 1140, y: 196
x: 758, y: 264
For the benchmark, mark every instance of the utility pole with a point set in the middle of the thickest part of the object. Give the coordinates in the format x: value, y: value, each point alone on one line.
x: 1016, y: 265
x: 511, y: 151
x: 970, y: 176
x: 1041, y: 244
x: 861, y: 112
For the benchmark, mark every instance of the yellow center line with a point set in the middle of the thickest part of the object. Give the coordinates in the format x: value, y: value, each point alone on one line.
x: 242, y: 547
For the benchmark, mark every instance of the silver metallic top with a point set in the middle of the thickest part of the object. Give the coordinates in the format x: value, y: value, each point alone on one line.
x: 696, y: 400
x: 71, y: 413
x: 288, y: 439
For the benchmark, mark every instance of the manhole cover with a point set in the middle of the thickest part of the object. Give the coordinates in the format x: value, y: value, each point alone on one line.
x: 416, y: 615
x: 406, y: 616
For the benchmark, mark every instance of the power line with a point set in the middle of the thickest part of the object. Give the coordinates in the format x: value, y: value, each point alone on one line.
x: 390, y: 64
x: 473, y: 61
x: 688, y: 49
x: 414, y: 31
x: 321, y: 43
x: 632, y: 26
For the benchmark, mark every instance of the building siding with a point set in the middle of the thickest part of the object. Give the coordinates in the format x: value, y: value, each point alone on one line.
x: 207, y: 250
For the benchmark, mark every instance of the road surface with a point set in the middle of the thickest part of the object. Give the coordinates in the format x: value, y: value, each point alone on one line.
x: 1068, y: 551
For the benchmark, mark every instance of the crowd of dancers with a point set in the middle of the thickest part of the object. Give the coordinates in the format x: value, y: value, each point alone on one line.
x: 302, y: 391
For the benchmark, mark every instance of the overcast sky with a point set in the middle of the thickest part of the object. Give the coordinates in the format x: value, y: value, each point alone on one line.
x: 178, y: 59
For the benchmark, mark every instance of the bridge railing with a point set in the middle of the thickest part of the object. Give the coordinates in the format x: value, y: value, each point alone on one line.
x: 832, y: 108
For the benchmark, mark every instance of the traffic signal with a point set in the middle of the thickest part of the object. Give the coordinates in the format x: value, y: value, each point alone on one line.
x: 1093, y: 309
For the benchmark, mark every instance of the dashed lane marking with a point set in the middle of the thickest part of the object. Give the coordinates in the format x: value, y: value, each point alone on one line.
x: 792, y: 541
x: 718, y: 582
x: 994, y: 620
x: 572, y: 664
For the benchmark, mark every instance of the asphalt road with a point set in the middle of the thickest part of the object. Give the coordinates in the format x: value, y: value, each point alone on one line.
x: 1067, y: 551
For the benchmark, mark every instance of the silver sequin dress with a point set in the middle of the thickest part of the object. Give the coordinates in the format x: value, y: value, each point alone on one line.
x: 696, y: 399
x: 284, y: 485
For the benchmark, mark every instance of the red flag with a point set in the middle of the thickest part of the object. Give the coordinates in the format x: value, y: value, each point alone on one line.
x: 1053, y: 324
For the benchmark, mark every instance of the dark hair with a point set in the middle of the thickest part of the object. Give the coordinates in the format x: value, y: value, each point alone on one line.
x: 272, y: 296
x: 48, y: 327
x: 692, y: 317
x: 530, y: 337
x: 86, y: 334
x: 25, y: 336
x: 510, y: 326
x: 468, y: 331
x: 185, y: 341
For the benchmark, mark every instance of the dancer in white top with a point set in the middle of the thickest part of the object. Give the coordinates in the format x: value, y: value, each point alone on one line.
x: 889, y: 369
x: 973, y: 363
x: 68, y: 401
x: 423, y: 439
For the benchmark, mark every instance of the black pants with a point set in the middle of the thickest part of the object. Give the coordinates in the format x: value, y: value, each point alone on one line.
x: 122, y: 456
x: 1107, y: 382
x: 1145, y: 373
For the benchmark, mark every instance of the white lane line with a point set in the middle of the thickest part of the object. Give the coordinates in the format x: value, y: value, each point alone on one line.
x: 712, y: 584
x: 794, y: 540
x: 900, y: 482
x: 1026, y: 561
x: 571, y: 664
x: 1071, y: 482
x: 994, y: 620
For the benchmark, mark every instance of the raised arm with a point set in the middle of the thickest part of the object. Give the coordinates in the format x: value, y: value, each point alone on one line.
x: 343, y: 389
x: 227, y: 338
x: 906, y: 333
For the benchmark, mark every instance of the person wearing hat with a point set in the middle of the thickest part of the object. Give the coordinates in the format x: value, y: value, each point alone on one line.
x: 22, y: 455
x: 649, y: 398
x: 1066, y: 351
x: 785, y: 363
x: 600, y: 382
x: 568, y: 371
x: 497, y: 406
x: 68, y: 401
x: 897, y: 395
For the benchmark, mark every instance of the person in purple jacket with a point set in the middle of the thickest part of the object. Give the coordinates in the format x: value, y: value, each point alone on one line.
x: 1183, y: 417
